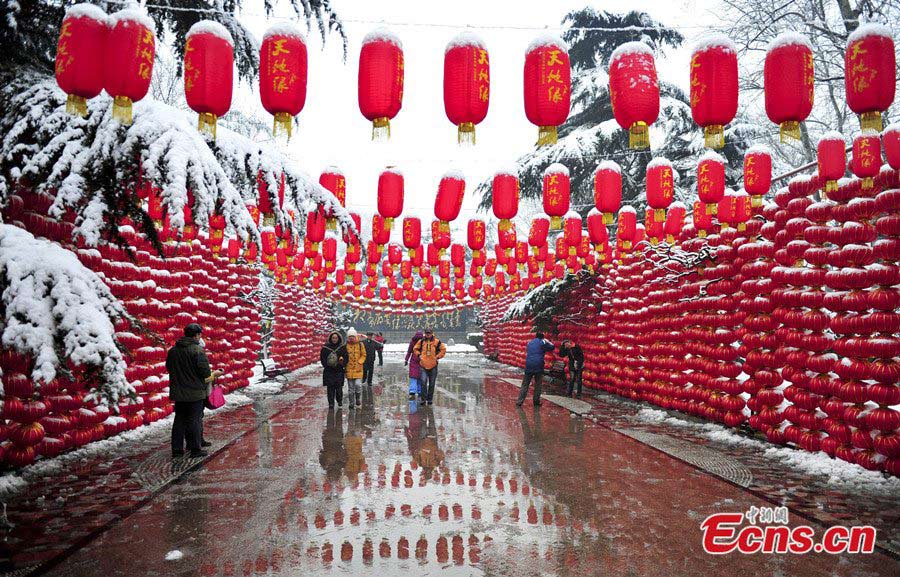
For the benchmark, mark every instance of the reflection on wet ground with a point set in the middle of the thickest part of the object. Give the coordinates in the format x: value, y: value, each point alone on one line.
x: 470, y: 486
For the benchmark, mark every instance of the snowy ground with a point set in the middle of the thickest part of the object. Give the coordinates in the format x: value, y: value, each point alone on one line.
x: 400, y: 348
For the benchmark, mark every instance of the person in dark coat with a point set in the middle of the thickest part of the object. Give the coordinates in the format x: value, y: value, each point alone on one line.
x: 372, y: 346
x: 571, y: 351
x: 189, y: 386
x: 379, y: 338
x: 415, y: 371
x: 534, y: 368
x: 334, y: 358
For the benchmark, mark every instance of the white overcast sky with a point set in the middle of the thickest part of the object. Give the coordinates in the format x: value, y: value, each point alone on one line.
x: 423, y: 142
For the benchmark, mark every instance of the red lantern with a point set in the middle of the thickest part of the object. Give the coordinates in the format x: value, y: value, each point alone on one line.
x: 634, y: 91
x: 788, y: 82
x: 449, y: 199
x: 130, y: 48
x: 714, y: 87
x: 477, y: 234
x: 81, y: 55
x: 891, y: 139
x: 556, y: 193
x: 412, y: 234
x: 332, y: 180
x: 702, y: 218
x: 626, y: 232
x: 572, y: 231
x: 866, y: 160
x: 674, y: 221
x: 282, y: 75
x: 380, y: 80
x: 757, y: 173
x: 660, y: 187
x: 208, y: 72
x: 537, y: 235
x: 870, y: 74
x: 608, y: 189
x: 653, y: 228
x: 832, y: 160
x: 390, y: 195
x: 505, y: 197
x: 743, y: 209
x: 315, y: 228
x: 711, y: 180
x: 467, y: 84
x: 597, y: 231
x: 547, y: 86
x: 381, y: 232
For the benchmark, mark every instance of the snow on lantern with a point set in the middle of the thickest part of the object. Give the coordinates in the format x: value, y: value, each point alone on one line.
x: 234, y: 249
x: 870, y: 74
x: 381, y: 232
x: 608, y: 189
x: 412, y: 234
x: 891, y: 140
x: 627, y: 228
x: 476, y: 236
x: 467, y: 84
x: 390, y: 195
x: 505, y: 196
x: 660, y: 187
x: 216, y: 232
x: 81, y: 55
x: 674, y: 221
x: 743, y: 209
x: 282, y: 75
x: 727, y: 209
x: 458, y: 257
x: 714, y: 87
x: 315, y: 227
x: 537, y: 234
x: 449, y: 199
x: 711, y: 180
x: 866, y: 160
x: 333, y: 180
x: 653, y: 228
x: 556, y: 193
x: 130, y: 48
x: 831, y: 157
x: 380, y: 80
x: 208, y: 72
x: 572, y: 231
x: 702, y: 218
x: 597, y: 231
x: 788, y: 82
x: 634, y: 91
x: 547, y: 86
x: 757, y: 173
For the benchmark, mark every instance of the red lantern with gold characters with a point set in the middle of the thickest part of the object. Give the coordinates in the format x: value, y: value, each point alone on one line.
x: 660, y: 187
x: 674, y: 221
x: 130, y: 48
x: 608, y: 189
x: 537, y: 234
x: 634, y: 91
x: 380, y: 80
x: 831, y: 157
x: 870, y: 73
x: 381, y: 232
x: 597, y: 230
x: 449, y: 199
x: 711, y: 180
x: 333, y: 180
x: 81, y: 55
x: 714, y: 87
x: 467, y: 84
x: 788, y: 82
x: 757, y: 173
x: 282, y: 75
x: 866, y: 160
x: 412, y: 234
x: 556, y: 193
x: 626, y: 233
x: 572, y: 231
x: 315, y: 228
x: 702, y: 218
x: 891, y: 139
x: 390, y: 195
x: 476, y: 236
x: 505, y: 196
x: 548, y: 86
x: 208, y: 72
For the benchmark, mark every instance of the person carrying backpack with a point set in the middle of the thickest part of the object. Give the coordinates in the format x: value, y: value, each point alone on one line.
x: 334, y: 358
x: 356, y: 358
x: 429, y: 351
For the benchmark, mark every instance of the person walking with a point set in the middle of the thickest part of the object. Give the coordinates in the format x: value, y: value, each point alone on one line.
x: 356, y: 359
x: 429, y: 351
x: 415, y: 371
x: 534, y: 368
x: 571, y: 351
x: 189, y: 387
x: 372, y: 347
x: 379, y: 338
x: 333, y: 357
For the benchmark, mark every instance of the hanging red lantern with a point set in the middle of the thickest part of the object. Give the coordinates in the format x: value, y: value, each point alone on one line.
x: 627, y: 229
x: 702, y: 218
x: 788, y: 82
x: 674, y: 221
x: 831, y: 157
x: 390, y: 195
x: 660, y: 187
x: 653, y: 228
x: 711, y: 180
x: 130, y: 48
x: 505, y: 196
x: 332, y: 180
x: 208, y: 72
x: 81, y: 55
x: 537, y: 234
x: 412, y: 234
x: 727, y: 209
x: 743, y: 209
x: 866, y: 160
x: 476, y: 237
x: 714, y: 87
x: 467, y: 84
x: 380, y: 80
x: 458, y: 256
x: 449, y: 199
x: 597, y: 231
x: 556, y: 193
x: 234, y: 249
x: 757, y: 173
x: 353, y: 236
x: 282, y: 75
x: 440, y: 238
x: 891, y: 139
x: 381, y: 232
x: 608, y: 189
x: 315, y: 227
x: 395, y: 254
x: 634, y: 91
x: 547, y: 86
x: 870, y: 73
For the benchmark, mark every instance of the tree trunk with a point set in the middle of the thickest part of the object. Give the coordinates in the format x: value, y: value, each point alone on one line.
x: 848, y: 15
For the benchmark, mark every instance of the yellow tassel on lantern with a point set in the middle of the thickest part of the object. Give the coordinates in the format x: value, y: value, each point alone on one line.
x: 711, y: 208
x: 465, y: 133
x: 626, y: 244
x: 871, y: 121
x: 546, y: 135
x: 756, y: 201
x: 659, y: 214
x: 670, y: 238
x: 389, y: 223
x: 608, y: 218
x: 206, y: 122
x: 283, y: 123
x: 381, y: 128
x: 789, y: 130
x: 701, y: 233
x: 444, y: 226
x: 504, y: 224
x: 742, y: 226
x: 868, y: 183
x: 331, y: 224
x: 572, y: 251
x: 714, y: 136
x: 76, y: 105
x: 639, y: 136
x: 724, y: 226
x: 121, y: 110
x: 555, y: 222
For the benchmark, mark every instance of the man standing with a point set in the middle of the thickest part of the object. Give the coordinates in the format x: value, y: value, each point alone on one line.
x: 372, y: 348
x: 534, y: 368
x: 189, y: 378
x: 575, y: 355
x: 429, y: 351
x: 356, y: 362
x: 379, y: 338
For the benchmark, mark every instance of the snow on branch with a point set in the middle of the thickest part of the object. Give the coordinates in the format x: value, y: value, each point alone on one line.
x: 57, y: 311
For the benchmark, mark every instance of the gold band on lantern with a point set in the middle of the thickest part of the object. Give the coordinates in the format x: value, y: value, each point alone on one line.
x: 868, y: 183
x: 659, y: 214
x: 714, y: 136
x: 871, y: 121
x: 701, y: 233
x: 639, y: 136
x: 626, y: 244
x: 572, y: 251
x: 555, y: 222
x: 76, y: 105
x: 756, y: 201
x: 121, y: 110
x: 331, y: 224
x: 711, y: 208
x: 206, y: 122
x: 282, y: 123
x: 670, y: 238
x: 504, y: 224
x: 465, y: 133
x: 444, y: 226
x: 381, y: 128
x: 546, y: 135
x: 789, y: 130
x: 654, y: 241
x: 608, y: 218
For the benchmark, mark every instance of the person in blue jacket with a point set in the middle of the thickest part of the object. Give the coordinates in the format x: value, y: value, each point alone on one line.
x: 534, y: 368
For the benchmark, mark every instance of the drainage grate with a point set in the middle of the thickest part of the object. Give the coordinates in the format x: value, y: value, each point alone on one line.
x: 160, y: 468
x: 700, y: 456
x: 20, y: 572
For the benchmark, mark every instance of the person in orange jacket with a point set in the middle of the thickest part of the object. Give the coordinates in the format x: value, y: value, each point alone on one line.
x: 429, y: 351
x: 356, y: 358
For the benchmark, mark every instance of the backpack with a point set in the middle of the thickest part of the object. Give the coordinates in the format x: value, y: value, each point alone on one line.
x: 331, y: 360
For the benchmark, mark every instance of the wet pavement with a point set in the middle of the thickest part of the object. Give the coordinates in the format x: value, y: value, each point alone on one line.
x: 470, y: 486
